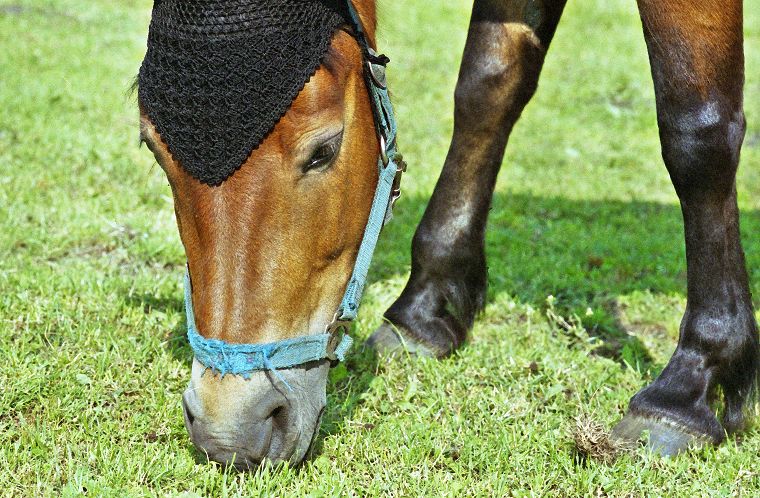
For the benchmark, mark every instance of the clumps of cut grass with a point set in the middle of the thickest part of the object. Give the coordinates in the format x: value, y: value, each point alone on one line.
x: 593, y: 441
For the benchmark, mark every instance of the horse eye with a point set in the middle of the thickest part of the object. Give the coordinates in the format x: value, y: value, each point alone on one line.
x: 323, y: 155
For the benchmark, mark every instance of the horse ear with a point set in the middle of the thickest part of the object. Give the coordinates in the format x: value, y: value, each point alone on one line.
x: 368, y: 15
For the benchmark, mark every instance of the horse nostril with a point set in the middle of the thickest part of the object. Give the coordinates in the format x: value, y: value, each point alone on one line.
x: 188, y: 414
x: 279, y: 419
x: 276, y: 413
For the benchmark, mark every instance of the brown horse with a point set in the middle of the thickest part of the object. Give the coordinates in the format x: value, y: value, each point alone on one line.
x: 271, y: 248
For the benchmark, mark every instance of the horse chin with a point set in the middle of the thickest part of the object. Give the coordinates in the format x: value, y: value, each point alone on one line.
x: 271, y: 417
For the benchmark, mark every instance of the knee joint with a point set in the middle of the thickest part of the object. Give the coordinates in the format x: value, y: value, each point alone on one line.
x: 701, y: 146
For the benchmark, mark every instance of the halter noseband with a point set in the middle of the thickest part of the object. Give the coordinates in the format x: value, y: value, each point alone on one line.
x: 334, y: 343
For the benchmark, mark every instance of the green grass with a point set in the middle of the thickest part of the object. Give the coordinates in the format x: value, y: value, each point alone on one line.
x: 92, y: 359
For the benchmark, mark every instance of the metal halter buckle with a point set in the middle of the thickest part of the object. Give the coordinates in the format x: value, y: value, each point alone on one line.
x: 336, y: 328
x: 396, y: 187
x: 376, y: 71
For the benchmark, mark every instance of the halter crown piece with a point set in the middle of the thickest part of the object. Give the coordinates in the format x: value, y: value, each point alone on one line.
x: 206, y: 149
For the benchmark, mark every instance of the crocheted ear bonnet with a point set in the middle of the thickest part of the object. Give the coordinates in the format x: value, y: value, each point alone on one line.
x: 219, y: 74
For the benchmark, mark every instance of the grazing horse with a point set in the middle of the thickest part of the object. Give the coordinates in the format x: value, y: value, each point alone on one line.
x: 271, y: 249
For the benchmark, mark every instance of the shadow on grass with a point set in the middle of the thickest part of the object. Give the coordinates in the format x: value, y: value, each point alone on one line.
x: 584, y: 253
x: 176, y: 342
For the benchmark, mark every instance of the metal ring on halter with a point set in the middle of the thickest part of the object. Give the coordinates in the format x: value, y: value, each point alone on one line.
x: 377, y: 72
x: 383, y: 153
x: 337, y: 329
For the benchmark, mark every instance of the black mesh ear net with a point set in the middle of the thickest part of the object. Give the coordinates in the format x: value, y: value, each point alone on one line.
x: 219, y: 74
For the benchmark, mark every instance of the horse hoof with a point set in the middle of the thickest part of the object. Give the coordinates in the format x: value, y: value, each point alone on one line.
x: 662, y: 436
x: 388, y: 340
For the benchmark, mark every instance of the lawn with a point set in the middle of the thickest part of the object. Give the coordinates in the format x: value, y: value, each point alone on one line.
x: 586, y: 274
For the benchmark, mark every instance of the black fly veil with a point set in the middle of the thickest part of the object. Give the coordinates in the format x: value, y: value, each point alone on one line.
x: 219, y: 74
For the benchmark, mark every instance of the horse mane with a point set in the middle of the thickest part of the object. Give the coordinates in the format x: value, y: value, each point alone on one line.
x: 367, y: 10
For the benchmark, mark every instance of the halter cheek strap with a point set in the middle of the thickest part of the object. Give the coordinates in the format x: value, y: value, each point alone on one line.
x: 334, y: 343
x: 390, y: 167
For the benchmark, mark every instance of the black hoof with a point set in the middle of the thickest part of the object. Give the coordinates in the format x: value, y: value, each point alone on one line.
x: 389, y: 340
x: 662, y: 436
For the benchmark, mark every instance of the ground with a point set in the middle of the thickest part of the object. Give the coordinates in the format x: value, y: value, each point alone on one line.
x: 586, y: 276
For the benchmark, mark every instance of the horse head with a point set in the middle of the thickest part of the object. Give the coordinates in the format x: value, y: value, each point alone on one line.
x: 270, y: 250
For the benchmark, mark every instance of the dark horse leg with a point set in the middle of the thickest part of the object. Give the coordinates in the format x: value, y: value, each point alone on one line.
x: 503, y: 56
x: 695, y: 50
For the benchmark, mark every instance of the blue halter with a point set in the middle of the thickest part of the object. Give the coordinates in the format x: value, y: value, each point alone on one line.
x: 334, y: 343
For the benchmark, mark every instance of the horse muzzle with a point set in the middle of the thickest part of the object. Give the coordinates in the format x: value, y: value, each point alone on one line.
x: 265, y: 418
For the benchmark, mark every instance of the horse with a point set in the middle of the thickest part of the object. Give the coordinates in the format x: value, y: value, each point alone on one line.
x: 272, y: 249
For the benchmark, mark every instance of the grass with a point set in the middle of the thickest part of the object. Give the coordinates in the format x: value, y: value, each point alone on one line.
x: 587, y: 277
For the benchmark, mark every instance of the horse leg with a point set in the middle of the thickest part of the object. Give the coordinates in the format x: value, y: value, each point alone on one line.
x: 503, y: 56
x: 695, y: 50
